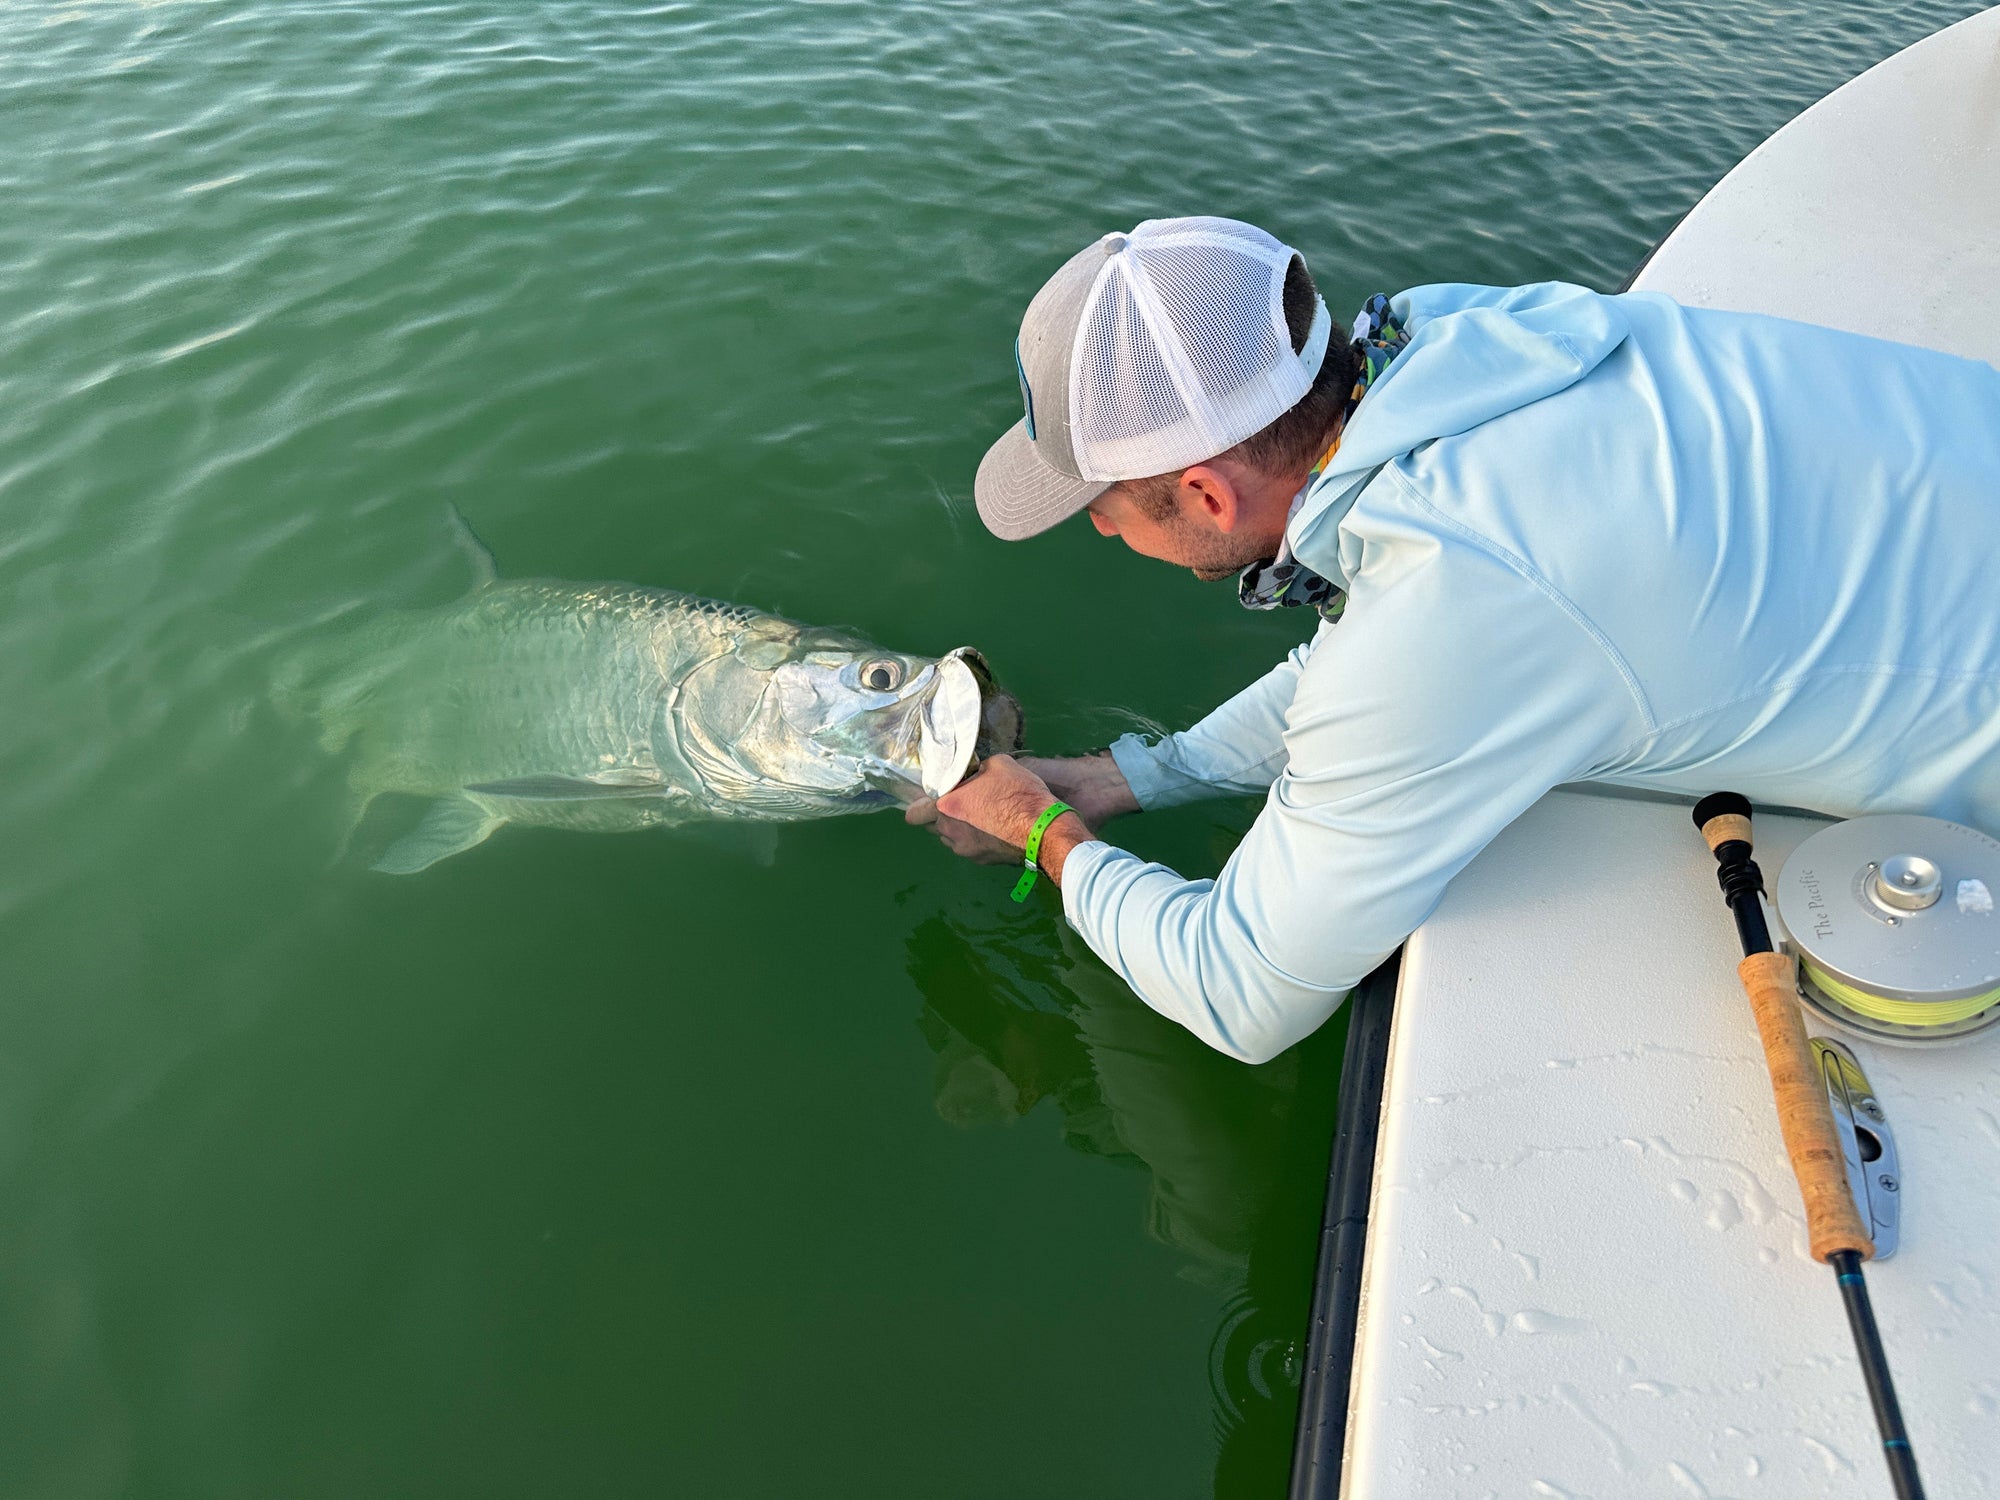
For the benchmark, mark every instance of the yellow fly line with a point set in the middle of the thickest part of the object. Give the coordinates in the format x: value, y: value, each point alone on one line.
x: 1923, y: 1013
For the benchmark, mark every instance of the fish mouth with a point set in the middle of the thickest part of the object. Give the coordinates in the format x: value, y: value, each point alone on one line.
x: 966, y: 718
x: 1002, y: 728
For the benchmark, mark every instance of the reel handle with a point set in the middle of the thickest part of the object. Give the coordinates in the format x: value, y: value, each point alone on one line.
x: 1770, y: 979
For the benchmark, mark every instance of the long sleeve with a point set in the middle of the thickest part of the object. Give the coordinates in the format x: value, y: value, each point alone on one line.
x: 1237, y: 750
x: 1411, y: 740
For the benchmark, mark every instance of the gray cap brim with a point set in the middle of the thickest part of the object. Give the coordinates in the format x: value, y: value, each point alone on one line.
x: 1019, y: 495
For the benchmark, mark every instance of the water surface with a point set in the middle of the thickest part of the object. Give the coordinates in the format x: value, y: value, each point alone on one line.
x: 600, y: 1166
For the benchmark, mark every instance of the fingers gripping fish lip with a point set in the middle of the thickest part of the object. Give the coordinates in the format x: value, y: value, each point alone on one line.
x: 1002, y: 729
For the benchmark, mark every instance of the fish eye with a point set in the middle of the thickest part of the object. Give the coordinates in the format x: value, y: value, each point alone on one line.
x: 882, y: 675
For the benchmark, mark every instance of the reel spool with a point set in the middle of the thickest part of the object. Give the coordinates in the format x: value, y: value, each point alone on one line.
x: 1893, y: 920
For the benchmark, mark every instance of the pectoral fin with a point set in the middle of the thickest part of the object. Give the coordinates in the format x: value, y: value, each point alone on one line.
x: 565, y: 789
x: 453, y: 825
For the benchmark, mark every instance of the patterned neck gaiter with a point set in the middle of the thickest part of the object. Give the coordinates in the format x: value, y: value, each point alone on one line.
x: 1284, y: 581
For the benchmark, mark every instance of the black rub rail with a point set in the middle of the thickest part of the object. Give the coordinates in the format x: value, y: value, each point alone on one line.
x: 1321, y: 1436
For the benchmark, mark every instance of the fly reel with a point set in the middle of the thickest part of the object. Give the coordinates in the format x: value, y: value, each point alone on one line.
x: 1893, y: 921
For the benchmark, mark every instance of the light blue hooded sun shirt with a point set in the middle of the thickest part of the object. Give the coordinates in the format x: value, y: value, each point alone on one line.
x: 1584, y: 538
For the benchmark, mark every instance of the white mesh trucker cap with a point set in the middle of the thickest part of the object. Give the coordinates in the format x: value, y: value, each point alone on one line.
x: 1145, y: 353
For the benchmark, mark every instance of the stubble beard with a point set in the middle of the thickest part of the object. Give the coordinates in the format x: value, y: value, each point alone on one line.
x: 1215, y: 558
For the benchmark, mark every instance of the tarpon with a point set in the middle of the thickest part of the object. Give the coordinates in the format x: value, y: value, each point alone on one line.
x: 611, y: 707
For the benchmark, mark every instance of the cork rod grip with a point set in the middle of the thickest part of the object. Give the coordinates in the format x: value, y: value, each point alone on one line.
x: 1832, y: 1221
x: 1724, y: 828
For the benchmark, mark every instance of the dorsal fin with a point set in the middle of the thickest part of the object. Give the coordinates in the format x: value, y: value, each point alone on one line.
x: 476, y: 552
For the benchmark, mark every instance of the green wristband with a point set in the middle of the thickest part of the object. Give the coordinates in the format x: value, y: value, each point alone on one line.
x: 1034, y: 848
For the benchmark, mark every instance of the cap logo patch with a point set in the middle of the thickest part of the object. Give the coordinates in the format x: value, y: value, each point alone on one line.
x: 1027, y: 396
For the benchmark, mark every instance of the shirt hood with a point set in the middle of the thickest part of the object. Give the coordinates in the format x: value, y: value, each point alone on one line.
x: 1475, y: 353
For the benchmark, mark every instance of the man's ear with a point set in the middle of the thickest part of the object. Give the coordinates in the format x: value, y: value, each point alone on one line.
x: 1208, y: 494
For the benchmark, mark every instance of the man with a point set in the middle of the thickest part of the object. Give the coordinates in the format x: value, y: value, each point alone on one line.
x: 1565, y: 537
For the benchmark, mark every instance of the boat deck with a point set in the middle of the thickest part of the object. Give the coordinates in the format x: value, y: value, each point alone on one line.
x: 1586, y: 1270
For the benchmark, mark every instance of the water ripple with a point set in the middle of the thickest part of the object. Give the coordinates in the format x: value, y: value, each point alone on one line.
x: 708, y: 296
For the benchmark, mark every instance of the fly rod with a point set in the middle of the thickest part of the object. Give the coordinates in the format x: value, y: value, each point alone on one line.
x: 1834, y: 1229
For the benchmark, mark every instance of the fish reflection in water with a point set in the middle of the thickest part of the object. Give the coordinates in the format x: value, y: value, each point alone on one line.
x: 610, y: 707
x: 1022, y: 1012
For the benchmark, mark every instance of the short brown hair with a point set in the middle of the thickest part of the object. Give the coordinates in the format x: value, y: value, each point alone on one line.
x: 1299, y: 434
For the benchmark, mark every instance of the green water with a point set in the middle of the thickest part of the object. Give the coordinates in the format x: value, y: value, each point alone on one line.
x: 596, y: 1166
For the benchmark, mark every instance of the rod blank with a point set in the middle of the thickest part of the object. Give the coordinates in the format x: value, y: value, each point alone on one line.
x: 1833, y: 1223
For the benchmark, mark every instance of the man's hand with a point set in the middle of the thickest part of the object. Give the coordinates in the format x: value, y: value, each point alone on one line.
x: 961, y: 839
x: 987, y: 818
x: 1092, y: 784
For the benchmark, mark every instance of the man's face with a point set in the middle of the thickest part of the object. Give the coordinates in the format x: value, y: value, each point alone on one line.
x: 1187, y: 536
